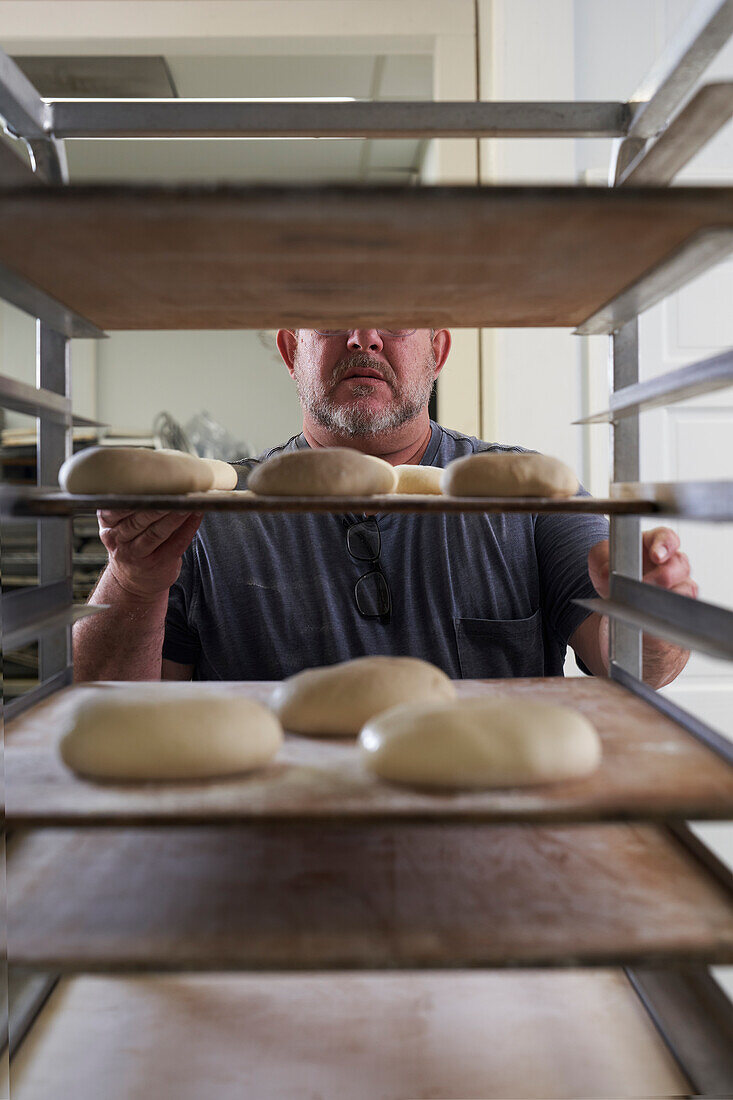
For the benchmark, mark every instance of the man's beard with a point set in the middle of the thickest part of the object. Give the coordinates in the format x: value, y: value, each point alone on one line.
x: 350, y: 417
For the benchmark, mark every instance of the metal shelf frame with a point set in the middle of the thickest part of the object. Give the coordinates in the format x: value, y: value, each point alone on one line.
x: 678, y: 385
x: 657, y: 132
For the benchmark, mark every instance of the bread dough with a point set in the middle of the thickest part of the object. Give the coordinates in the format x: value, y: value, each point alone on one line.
x: 142, y: 471
x: 508, y: 475
x: 480, y: 743
x: 167, y: 731
x: 337, y: 700
x: 418, y: 479
x: 323, y: 472
x: 223, y: 473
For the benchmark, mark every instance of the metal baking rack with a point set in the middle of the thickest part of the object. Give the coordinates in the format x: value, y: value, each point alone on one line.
x: 658, y: 130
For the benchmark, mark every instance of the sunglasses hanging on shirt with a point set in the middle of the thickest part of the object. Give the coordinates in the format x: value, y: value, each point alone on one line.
x: 371, y: 591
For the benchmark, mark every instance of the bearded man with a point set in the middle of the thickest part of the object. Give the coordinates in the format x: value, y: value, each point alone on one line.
x: 258, y: 596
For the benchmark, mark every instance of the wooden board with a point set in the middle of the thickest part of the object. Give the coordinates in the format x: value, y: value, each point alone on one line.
x: 227, y: 257
x: 651, y: 770
x: 315, y: 897
x: 216, y: 500
x: 361, y: 1037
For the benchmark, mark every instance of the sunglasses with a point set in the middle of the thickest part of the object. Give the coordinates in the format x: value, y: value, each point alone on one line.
x: 371, y: 591
x: 382, y: 331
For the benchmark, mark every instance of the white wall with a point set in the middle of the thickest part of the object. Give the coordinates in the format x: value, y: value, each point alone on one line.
x: 455, y: 161
x: 237, y: 377
x: 526, y: 53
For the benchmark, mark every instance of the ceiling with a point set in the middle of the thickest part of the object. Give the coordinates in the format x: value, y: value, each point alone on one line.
x: 369, y: 76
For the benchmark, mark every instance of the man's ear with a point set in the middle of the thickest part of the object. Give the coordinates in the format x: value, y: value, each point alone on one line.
x: 441, y: 346
x: 287, y: 342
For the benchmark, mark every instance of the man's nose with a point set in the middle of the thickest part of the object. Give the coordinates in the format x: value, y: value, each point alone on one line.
x: 363, y: 339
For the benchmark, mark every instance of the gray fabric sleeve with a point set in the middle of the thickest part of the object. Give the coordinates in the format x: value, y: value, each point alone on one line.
x: 181, y: 642
x: 562, y: 542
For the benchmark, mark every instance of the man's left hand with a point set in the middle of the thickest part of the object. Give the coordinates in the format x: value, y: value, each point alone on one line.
x: 663, y: 564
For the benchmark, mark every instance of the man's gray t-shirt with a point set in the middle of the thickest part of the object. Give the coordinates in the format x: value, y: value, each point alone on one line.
x: 263, y: 595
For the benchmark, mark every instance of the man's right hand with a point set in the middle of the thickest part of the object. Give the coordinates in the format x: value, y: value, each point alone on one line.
x: 145, y: 548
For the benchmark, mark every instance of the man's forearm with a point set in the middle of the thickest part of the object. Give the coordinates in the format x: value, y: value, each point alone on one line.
x: 124, y: 642
x: 661, y: 661
x: 663, y: 564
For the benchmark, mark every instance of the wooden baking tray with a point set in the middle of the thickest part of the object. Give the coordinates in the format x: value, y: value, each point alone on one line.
x: 324, y: 896
x: 34, y: 503
x: 228, y: 257
x: 365, y: 1037
x: 652, y: 769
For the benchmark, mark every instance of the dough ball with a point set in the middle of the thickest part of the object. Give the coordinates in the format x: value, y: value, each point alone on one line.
x: 418, y: 479
x: 480, y: 743
x: 509, y: 475
x: 339, y: 699
x: 135, y: 470
x: 224, y: 474
x: 323, y: 472
x: 154, y: 731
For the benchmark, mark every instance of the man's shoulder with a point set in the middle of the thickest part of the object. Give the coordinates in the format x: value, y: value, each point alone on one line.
x: 454, y: 444
x: 245, y: 466
x: 446, y: 444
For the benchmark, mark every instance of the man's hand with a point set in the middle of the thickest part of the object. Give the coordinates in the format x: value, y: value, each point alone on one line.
x: 663, y: 564
x: 145, y: 551
x: 145, y: 548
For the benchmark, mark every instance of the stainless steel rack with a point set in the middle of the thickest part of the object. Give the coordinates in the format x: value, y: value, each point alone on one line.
x: 658, y: 130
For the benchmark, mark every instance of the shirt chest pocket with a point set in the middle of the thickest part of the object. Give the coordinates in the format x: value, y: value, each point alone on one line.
x: 489, y: 648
